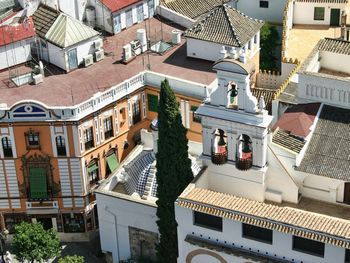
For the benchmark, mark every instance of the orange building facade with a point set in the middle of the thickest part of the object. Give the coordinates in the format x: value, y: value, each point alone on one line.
x: 52, y: 159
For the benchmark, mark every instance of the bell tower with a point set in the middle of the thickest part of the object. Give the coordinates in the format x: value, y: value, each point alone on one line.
x: 235, y: 131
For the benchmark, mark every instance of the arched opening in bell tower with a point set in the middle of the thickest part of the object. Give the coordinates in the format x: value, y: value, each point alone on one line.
x: 244, y: 156
x: 219, y: 147
x: 232, y: 95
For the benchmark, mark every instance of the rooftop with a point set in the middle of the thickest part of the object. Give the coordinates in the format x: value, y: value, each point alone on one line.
x: 288, y: 141
x: 60, y: 89
x: 227, y: 26
x: 115, y: 5
x: 192, y: 8
x: 328, y: 153
x: 67, y: 31
x: 309, y: 219
x: 16, y: 32
x: 298, y: 119
x: 44, y: 17
x: 335, y: 46
x: 303, y: 38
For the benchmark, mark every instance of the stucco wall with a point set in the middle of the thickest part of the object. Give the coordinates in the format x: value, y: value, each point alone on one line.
x: 15, y: 53
x: 232, y: 234
x: 274, y: 13
x: 321, y: 88
x: 334, y: 61
x: 127, y: 213
x: 304, y: 12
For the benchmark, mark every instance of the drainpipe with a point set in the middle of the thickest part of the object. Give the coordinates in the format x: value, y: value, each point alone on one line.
x: 106, y: 208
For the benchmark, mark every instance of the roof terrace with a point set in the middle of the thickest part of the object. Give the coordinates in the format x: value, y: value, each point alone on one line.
x: 61, y: 89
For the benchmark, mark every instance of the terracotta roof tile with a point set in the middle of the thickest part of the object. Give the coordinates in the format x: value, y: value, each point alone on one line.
x: 227, y: 26
x: 115, y: 5
x: 288, y: 219
x: 14, y: 33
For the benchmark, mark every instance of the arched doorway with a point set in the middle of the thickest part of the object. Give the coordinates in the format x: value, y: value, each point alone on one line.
x: 202, y: 255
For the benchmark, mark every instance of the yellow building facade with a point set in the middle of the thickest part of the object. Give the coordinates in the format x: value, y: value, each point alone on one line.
x: 52, y: 159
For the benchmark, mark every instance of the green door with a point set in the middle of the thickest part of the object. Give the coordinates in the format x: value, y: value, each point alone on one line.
x: 335, y: 17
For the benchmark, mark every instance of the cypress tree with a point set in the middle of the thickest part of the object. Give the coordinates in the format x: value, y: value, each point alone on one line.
x: 173, y: 171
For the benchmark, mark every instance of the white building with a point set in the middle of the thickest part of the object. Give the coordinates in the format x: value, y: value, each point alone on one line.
x: 126, y: 203
x: 65, y: 41
x: 16, y: 40
x: 113, y: 16
x: 73, y: 8
x: 260, y: 200
x: 226, y: 26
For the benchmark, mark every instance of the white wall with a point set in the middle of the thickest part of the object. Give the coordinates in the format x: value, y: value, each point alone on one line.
x: 274, y: 13
x: 58, y: 56
x: 203, y: 49
x: 232, y: 233
x: 327, y: 89
x: 304, y: 12
x: 15, y: 53
x: 127, y: 213
x: 103, y: 16
x: 335, y: 61
x: 175, y: 17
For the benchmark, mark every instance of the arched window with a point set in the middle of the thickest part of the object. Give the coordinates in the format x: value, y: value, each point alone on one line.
x: 61, y: 146
x: 93, y: 172
x: 7, y: 147
x: 244, y: 152
x: 219, y: 147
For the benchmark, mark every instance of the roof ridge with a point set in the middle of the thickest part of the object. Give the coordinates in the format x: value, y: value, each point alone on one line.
x: 225, y: 6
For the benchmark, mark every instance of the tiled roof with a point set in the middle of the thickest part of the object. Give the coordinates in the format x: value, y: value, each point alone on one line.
x: 67, y: 31
x: 328, y: 153
x: 268, y: 95
x: 334, y: 46
x: 5, y: 4
x: 116, y: 5
x: 319, y: 227
x: 288, y: 141
x: 192, y: 8
x: 225, y: 25
x: 14, y: 33
x: 298, y: 119
x: 43, y: 18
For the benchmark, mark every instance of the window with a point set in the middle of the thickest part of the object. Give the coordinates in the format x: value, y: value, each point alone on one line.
x: 32, y: 139
x: 107, y: 123
x: 308, y: 246
x: 61, y: 146
x: 73, y: 223
x: 38, y: 183
x: 195, y: 118
x: 152, y: 102
x: 88, y: 139
x: 7, y: 147
x: 257, y: 233
x: 347, y: 255
x: 93, y: 172
x: 319, y: 13
x: 207, y: 221
x: 136, y: 113
x: 264, y: 4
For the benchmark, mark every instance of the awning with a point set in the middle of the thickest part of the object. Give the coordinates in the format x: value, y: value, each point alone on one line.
x: 92, y: 168
x: 112, y: 162
x: 38, y: 183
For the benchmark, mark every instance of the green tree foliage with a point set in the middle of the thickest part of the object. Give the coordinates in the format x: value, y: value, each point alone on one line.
x: 173, y: 171
x: 31, y: 242
x: 72, y: 259
x: 268, y: 42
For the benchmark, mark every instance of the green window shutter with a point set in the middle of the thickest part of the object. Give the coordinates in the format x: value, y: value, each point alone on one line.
x: 152, y: 102
x: 319, y: 13
x: 112, y: 162
x: 38, y: 183
x: 92, y: 168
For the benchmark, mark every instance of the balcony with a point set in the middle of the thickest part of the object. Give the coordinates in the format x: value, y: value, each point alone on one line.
x: 220, y: 157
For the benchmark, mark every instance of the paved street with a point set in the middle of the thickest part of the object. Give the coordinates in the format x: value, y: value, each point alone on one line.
x: 90, y: 250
